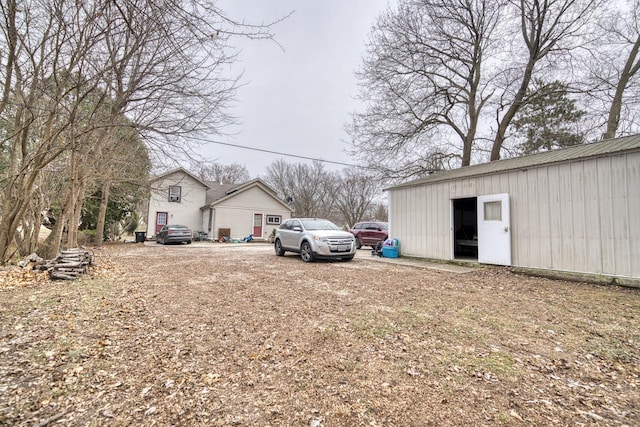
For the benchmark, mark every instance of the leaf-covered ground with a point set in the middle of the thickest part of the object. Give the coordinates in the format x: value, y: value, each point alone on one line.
x: 223, y: 334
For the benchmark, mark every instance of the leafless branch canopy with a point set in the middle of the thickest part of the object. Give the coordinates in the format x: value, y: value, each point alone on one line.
x: 71, y: 72
x: 442, y: 80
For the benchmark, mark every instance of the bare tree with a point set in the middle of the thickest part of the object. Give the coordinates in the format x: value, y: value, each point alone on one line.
x: 233, y: 173
x: 345, y: 198
x: 160, y: 63
x: 124, y: 164
x: 549, y: 30
x: 165, y: 70
x: 355, y: 195
x: 422, y: 81
x: 309, y: 189
x: 48, y: 186
x: 42, y: 94
x: 614, y: 64
x: 110, y: 153
x: 379, y: 211
x: 434, y: 68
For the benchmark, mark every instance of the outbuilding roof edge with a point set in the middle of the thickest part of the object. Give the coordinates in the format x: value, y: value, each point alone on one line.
x: 573, y: 153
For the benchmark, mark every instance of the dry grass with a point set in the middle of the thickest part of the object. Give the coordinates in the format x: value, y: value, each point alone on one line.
x: 233, y: 335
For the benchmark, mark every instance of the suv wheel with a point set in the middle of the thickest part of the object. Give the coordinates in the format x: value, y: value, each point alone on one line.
x: 278, y: 247
x: 358, y: 243
x: 306, y: 253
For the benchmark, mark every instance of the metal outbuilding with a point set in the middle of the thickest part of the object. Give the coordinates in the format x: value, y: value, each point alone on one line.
x: 574, y: 210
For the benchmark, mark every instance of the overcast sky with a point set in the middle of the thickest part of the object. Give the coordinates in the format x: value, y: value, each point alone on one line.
x: 297, y: 97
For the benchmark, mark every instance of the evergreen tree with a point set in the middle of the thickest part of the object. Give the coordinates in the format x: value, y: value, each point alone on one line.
x: 548, y: 120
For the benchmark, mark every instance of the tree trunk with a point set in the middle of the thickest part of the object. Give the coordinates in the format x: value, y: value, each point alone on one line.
x: 75, y: 211
x: 504, y: 123
x: 16, y: 197
x: 11, y: 32
x: 613, y: 121
x: 22, y: 173
x: 8, y: 227
x: 72, y: 201
x: 466, y: 150
x: 27, y: 238
x: 51, y: 246
x: 74, y: 216
x: 102, y: 213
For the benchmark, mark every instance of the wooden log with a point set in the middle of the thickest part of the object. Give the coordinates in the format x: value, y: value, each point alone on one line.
x: 61, y: 276
x: 68, y: 264
x: 73, y: 250
x: 77, y: 271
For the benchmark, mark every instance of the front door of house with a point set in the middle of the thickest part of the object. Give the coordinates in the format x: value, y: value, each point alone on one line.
x: 161, y: 220
x: 494, y: 229
x: 257, y: 226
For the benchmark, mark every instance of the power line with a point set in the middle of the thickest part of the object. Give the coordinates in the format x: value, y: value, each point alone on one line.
x: 280, y: 153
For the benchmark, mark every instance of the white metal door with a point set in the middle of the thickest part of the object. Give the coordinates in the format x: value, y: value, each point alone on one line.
x: 494, y: 229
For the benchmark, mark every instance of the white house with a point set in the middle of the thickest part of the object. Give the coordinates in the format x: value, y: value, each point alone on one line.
x: 575, y: 211
x: 237, y: 210
x: 176, y: 198
x: 233, y: 210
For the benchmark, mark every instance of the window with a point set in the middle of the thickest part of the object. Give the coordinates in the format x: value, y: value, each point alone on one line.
x: 286, y: 225
x: 175, y: 193
x: 493, y: 211
x: 161, y: 218
x: 274, y: 219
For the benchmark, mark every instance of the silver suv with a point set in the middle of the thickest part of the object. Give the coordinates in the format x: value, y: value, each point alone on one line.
x: 314, y: 238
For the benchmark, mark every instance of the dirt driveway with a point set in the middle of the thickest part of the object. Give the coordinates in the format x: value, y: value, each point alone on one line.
x: 223, y: 334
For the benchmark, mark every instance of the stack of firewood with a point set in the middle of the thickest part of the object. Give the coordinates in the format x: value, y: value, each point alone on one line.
x: 70, y: 264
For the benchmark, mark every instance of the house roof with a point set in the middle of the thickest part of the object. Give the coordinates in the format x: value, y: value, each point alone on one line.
x: 576, y: 152
x: 217, y: 193
x: 182, y: 170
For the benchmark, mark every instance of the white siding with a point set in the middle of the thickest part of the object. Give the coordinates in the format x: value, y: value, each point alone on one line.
x: 580, y: 260
x: 237, y: 213
x: 621, y: 219
x: 632, y: 168
x: 204, y: 224
x: 187, y: 211
x: 578, y: 217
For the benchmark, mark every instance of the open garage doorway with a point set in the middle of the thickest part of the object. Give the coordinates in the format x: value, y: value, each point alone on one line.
x: 465, y: 228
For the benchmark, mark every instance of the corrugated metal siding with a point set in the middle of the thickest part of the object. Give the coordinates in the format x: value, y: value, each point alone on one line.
x: 579, y: 216
x: 633, y: 208
x: 574, y: 153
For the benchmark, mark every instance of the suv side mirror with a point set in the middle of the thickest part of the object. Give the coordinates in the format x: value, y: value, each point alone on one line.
x: 297, y: 228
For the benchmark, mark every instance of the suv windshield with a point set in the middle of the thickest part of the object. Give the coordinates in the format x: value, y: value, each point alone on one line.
x: 319, y: 224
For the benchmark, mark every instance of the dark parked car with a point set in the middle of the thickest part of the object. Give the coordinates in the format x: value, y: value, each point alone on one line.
x: 370, y: 233
x: 174, y: 233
